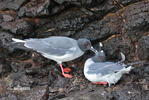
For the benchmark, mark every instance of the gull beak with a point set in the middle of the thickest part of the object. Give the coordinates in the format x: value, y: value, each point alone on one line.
x: 94, y: 50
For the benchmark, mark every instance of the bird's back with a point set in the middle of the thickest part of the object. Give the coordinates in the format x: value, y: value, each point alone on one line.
x: 57, y: 48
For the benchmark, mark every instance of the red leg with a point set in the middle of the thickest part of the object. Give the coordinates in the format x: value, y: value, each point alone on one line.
x: 65, y: 75
x: 104, y: 83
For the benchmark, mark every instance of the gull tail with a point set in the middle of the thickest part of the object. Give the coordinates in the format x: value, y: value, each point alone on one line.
x: 135, y: 63
x: 18, y: 40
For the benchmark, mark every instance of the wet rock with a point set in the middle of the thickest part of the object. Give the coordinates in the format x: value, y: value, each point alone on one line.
x: 35, y: 8
x: 11, y: 4
x: 143, y: 48
x: 132, y: 24
x: 19, y: 27
x: 37, y: 93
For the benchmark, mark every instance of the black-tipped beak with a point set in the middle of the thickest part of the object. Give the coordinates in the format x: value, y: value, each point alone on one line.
x: 94, y: 50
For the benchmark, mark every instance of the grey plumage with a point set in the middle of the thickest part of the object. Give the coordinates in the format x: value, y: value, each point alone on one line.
x: 51, y: 46
x: 104, y: 68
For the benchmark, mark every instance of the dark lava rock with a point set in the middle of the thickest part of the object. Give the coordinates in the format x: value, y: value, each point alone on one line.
x: 131, y: 21
x: 118, y: 95
x: 4, y: 64
x: 38, y: 72
x: 126, y: 2
x: 67, y: 23
x: 5, y: 38
x: 116, y: 44
x: 7, y: 16
x: 11, y: 4
x: 143, y: 48
x: 24, y: 81
x: 12, y: 49
x: 4, y: 69
x: 35, y: 8
x: 108, y: 6
x: 37, y: 93
x: 5, y: 93
x: 80, y: 2
x: 19, y: 27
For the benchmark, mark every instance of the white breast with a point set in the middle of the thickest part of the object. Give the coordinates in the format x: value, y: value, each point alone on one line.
x: 110, y: 78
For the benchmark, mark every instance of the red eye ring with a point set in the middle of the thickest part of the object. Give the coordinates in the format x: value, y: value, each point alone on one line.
x: 100, y: 58
x: 86, y: 44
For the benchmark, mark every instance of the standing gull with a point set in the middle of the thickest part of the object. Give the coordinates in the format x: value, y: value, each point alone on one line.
x: 99, y: 71
x: 59, y: 48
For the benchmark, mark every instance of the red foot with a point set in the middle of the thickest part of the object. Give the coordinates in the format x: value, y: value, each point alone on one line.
x: 67, y: 70
x: 67, y: 75
x: 104, y: 83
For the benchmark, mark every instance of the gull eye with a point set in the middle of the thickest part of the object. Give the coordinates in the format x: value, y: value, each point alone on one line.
x: 115, y: 71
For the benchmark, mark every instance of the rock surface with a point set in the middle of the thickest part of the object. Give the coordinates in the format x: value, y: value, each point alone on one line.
x: 121, y: 25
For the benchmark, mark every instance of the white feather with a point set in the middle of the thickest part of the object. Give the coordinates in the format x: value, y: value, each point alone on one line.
x: 18, y: 40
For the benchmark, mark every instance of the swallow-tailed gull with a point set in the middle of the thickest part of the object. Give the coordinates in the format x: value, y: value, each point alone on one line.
x: 99, y: 71
x: 59, y: 48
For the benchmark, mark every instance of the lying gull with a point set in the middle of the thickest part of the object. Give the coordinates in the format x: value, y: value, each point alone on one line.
x: 59, y: 48
x: 98, y: 71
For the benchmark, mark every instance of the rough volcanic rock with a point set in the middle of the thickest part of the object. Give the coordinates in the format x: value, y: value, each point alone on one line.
x: 5, y: 38
x: 67, y: 23
x: 143, y: 48
x: 80, y: 2
x: 7, y: 16
x: 125, y: 21
x: 11, y: 4
x: 126, y: 2
x: 37, y: 93
x: 116, y: 44
x: 4, y: 69
x: 19, y: 27
x: 24, y: 81
x: 4, y: 64
x: 35, y: 8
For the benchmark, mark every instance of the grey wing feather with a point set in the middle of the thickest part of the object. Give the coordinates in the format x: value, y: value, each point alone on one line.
x: 104, y: 68
x: 53, y: 46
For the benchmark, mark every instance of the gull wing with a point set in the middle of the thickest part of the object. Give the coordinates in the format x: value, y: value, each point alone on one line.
x: 104, y: 68
x: 57, y: 46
